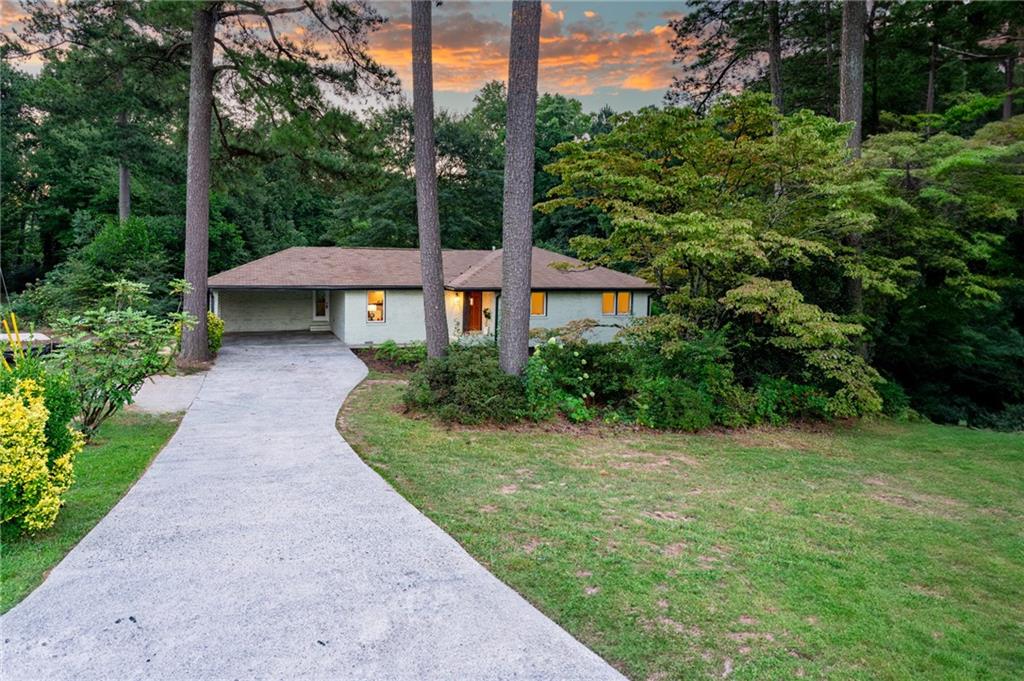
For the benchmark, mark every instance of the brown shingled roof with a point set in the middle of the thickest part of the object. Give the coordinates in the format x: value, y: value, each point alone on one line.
x: 339, y: 268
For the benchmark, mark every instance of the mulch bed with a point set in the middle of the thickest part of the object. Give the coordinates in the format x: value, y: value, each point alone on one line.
x: 381, y: 365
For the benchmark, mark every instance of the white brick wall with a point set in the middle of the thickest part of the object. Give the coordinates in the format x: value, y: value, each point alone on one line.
x: 265, y: 310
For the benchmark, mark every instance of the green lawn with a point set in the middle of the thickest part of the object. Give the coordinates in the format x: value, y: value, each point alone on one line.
x: 878, y: 550
x: 104, y: 471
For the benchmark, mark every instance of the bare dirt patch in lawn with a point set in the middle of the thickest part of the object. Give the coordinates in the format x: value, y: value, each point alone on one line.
x: 671, y: 516
x: 673, y: 550
x: 809, y: 437
x: 532, y: 545
x: 927, y: 504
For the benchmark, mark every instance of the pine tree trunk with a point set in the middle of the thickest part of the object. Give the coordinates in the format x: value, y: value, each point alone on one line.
x: 1008, y: 99
x: 194, y: 344
x: 830, y: 49
x: 929, y: 95
x: 517, y: 223
x: 124, y: 176
x: 124, y: 192
x: 873, y: 50
x: 775, y: 53
x: 851, y: 70
x: 851, y: 104
x: 431, y: 265
x: 933, y: 61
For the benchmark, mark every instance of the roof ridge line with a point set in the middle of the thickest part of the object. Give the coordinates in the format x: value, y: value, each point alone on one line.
x: 484, y: 262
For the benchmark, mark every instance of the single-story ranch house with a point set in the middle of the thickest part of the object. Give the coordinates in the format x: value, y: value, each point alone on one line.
x: 369, y: 295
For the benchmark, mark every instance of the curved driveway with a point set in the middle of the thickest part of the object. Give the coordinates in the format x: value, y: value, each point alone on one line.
x: 258, y: 545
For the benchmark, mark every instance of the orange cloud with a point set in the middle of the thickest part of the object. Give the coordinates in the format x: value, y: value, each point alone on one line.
x: 575, y: 58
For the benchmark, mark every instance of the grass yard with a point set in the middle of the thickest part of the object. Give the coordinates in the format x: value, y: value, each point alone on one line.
x: 875, y: 551
x: 104, y: 471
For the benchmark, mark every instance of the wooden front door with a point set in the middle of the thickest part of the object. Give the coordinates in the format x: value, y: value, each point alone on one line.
x: 473, y: 311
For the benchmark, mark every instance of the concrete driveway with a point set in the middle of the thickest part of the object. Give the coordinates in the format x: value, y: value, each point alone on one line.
x: 258, y: 545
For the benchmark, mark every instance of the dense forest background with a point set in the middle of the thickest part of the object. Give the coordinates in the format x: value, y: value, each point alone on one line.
x: 937, y: 201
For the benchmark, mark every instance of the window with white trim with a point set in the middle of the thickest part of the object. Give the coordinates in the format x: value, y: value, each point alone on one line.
x: 375, y: 306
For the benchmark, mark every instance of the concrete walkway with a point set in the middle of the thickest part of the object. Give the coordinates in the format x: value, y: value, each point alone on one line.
x: 259, y: 546
x: 168, y: 394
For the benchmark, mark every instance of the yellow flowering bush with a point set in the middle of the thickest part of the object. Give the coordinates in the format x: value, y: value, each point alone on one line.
x: 30, y: 484
x: 37, y: 444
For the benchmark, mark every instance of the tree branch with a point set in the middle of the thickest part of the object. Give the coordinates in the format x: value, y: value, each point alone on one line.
x: 257, y: 10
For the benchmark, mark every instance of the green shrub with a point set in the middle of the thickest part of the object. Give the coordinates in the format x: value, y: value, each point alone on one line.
x: 1010, y: 419
x: 895, y: 401
x: 780, y: 400
x: 402, y: 355
x: 571, y: 378
x: 575, y: 408
x: 669, y: 402
x: 468, y: 386
x: 686, y: 383
x: 597, y: 372
x: 107, y: 354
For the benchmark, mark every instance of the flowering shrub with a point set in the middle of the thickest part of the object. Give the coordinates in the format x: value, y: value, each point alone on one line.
x: 542, y: 395
x: 558, y: 379
x: 37, y: 446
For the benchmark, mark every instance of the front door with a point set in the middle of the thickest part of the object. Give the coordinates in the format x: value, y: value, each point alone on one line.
x: 473, y: 311
x: 321, y: 306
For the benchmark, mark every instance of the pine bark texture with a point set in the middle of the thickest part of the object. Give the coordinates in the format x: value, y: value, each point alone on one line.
x: 124, y: 192
x: 933, y: 65
x: 775, y: 53
x: 194, y: 344
x: 851, y: 69
x: 872, y: 52
x: 851, y: 105
x: 431, y: 265
x: 517, y: 214
x: 929, y: 95
x: 1008, y: 99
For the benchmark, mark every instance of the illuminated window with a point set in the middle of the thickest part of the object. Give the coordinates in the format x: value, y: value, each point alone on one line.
x: 625, y: 303
x: 538, y: 303
x: 617, y: 303
x: 374, y: 306
x: 608, y: 302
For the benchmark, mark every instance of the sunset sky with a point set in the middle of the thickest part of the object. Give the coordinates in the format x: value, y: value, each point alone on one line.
x: 614, y: 53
